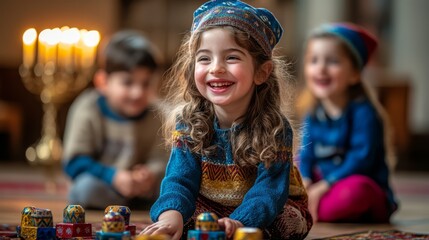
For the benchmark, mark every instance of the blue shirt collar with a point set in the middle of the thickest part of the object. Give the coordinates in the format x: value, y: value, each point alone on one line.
x: 218, y: 129
x: 108, y: 112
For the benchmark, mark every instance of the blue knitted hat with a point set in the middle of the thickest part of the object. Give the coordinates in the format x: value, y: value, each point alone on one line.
x: 361, y: 43
x: 258, y: 22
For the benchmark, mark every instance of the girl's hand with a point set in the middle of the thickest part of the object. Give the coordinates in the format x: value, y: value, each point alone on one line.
x: 169, y: 222
x: 229, y: 225
x: 315, y: 193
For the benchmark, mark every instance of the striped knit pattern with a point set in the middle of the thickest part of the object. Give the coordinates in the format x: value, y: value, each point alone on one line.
x: 226, y: 184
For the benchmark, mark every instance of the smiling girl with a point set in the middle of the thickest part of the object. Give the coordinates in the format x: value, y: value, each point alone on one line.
x: 232, y: 141
x: 343, y: 153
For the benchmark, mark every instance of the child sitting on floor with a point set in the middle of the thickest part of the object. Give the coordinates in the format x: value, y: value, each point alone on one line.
x: 112, y: 150
x: 231, y: 138
x: 343, y: 152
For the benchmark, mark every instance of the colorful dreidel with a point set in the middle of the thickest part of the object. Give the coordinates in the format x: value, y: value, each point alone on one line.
x: 42, y: 218
x: 248, y: 233
x: 113, y: 222
x: 74, y: 214
x: 25, y: 219
x: 73, y: 225
x: 126, y: 213
x: 207, y: 222
x: 206, y: 228
x: 153, y: 237
x: 36, y: 223
x: 26, y: 216
x: 123, y: 210
x: 113, y: 228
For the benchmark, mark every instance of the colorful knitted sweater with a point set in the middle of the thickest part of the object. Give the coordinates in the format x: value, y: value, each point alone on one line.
x: 258, y: 193
x: 98, y: 141
x: 351, y: 144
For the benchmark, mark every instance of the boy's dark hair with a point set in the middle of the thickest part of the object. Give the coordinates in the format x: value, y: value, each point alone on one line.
x: 128, y: 50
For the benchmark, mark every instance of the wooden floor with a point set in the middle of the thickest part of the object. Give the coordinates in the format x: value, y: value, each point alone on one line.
x: 412, y: 190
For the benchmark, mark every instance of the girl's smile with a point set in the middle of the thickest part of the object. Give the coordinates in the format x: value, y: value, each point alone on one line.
x: 219, y: 85
x: 224, y: 72
x: 322, y: 81
x: 328, y: 69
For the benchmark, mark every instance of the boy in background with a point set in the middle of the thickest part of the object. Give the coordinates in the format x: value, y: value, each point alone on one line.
x: 112, y: 150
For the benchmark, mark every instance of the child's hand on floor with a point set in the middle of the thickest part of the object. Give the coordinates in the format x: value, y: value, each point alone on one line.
x: 229, y: 225
x: 169, y: 222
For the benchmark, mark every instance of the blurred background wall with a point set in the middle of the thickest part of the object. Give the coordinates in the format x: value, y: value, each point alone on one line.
x: 398, y: 71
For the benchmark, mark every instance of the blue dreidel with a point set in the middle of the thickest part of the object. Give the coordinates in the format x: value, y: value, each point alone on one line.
x: 206, y: 228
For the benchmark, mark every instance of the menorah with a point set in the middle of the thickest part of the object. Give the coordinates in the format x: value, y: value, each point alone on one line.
x: 57, y: 64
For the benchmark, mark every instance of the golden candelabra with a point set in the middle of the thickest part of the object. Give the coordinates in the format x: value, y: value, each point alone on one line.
x: 57, y: 64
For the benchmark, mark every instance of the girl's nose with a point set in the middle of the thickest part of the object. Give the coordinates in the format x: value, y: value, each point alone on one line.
x: 217, y: 67
x: 321, y: 65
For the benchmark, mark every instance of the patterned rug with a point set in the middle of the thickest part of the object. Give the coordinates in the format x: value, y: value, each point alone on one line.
x: 30, y: 188
x: 8, y: 232
x: 391, y: 234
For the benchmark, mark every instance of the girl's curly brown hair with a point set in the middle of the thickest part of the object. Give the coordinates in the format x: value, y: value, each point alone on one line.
x: 261, y: 128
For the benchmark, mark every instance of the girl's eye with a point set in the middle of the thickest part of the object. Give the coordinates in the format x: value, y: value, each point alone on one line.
x: 312, y: 60
x: 203, y: 59
x: 332, y: 60
x: 233, y: 57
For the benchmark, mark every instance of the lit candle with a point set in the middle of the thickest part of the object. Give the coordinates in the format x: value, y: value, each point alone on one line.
x: 64, y: 48
x: 74, y: 40
x: 52, y: 44
x: 89, y: 51
x: 41, y: 47
x: 29, y: 47
x: 69, y: 37
x: 78, y: 48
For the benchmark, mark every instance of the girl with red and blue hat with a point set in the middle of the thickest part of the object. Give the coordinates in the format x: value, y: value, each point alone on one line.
x: 345, y: 148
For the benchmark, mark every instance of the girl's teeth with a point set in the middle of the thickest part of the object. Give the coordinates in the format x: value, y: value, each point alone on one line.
x: 219, y: 84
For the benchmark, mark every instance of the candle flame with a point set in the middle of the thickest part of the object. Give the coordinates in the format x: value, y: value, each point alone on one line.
x: 54, y: 36
x: 91, y: 38
x: 29, y: 36
x: 70, y: 36
x: 43, y: 36
x: 66, y: 47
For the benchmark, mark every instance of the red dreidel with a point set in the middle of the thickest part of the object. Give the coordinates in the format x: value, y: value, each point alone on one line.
x: 73, y: 225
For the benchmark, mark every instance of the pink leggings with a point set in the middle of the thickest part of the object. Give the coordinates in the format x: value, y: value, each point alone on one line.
x: 354, y: 199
